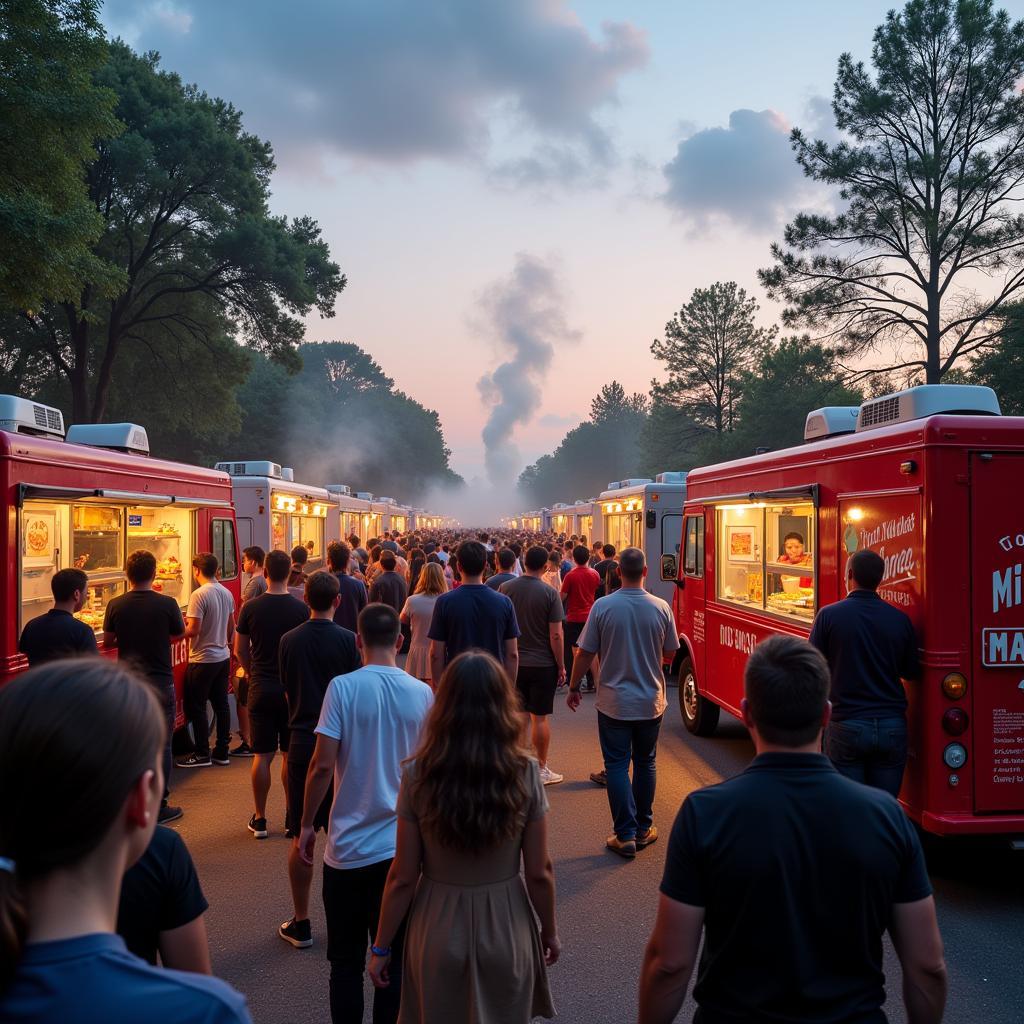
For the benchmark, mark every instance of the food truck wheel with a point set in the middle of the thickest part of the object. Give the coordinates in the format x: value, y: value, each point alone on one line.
x: 700, y: 715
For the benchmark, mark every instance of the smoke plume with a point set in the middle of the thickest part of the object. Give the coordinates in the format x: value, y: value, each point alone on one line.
x: 524, y: 312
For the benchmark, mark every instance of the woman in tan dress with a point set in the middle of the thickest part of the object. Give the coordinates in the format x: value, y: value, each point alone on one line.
x: 471, y: 807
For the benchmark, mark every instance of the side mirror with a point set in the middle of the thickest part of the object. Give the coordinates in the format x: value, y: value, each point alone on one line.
x: 669, y: 567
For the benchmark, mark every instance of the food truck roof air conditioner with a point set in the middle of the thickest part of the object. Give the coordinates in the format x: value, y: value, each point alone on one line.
x: 364, y: 495
x: 339, y: 489
x: 387, y: 501
x: 670, y: 478
x: 831, y: 421
x: 23, y: 416
x: 633, y: 481
x: 287, y: 473
x: 560, y: 504
x: 121, y: 437
x: 928, y: 400
x: 271, y: 469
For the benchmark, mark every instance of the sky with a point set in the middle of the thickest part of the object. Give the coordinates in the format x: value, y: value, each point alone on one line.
x: 521, y: 192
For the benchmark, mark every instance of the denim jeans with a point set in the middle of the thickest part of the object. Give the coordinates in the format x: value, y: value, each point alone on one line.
x: 352, y: 901
x: 632, y: 804
x: 869, y: 750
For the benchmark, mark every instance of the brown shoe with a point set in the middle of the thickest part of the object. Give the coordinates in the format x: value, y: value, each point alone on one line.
x: 623, y: 847
x: 646, y: 838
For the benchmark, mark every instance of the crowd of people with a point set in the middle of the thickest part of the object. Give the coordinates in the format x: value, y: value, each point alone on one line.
x: 409, y: 688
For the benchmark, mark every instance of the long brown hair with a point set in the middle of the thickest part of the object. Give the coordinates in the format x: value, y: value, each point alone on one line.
x: 75, y: 736
x: 431, y: 581
x: 469, y: 783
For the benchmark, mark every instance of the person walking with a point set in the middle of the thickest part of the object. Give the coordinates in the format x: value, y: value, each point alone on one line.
x: 252, y: 565
x: 506, y: 563
x: 389, y: 586
x: 297, y: 575
x: 870, y: 648
x: 141, y: 624
x: 261, y: 624
x: 634, y: 633
x: 793, y: 873
x: 473, y: 616
x: 352, y: 597
x: 210, y: 627
x: 472, y: 951
x: 579, y: 591
x: 418, y: 613
x: 310, y: 656
x: 57, y: 633
x: 370, y: 723
x: 540, y: 614
x: 552, y: 574
x: 607, y: 568
x: 61, y: 871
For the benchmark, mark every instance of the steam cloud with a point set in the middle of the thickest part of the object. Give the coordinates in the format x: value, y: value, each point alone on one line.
x: 525, y: 313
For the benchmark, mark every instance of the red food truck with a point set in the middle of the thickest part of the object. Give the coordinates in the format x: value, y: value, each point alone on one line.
x: 932, y: 479
x: 89, y: 501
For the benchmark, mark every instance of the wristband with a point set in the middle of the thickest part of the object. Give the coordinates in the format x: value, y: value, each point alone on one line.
x: 380, y: 950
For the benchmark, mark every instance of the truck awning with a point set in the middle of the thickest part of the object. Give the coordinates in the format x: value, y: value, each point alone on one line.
x: 808, y: 493
x: 95, y: 495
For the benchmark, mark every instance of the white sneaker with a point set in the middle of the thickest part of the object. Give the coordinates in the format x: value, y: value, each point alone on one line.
x: 548, y: 777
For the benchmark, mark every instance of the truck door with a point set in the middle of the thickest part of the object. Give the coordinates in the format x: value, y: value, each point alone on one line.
x: 997, y: 676
x: 689, y: 598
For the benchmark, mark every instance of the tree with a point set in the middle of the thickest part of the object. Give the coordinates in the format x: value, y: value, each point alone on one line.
x: 707, y: 346
x: 184, y: 197
x: 612, y: 403
x: 1001, y: 367
x: 51, y: 110
x: 929, y: 172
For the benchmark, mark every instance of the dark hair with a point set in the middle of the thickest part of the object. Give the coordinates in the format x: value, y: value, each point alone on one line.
x: 321, y: 590
x: 632, y: 564
x: 388, y: 560
x: 140, y: 567
x: 379, y: 625
x: 786, y: 684
x: 469, y: 778
x: 255, y: 554
x: 536, y: 558
x: 517, y: 548
x: 555, y: 557
x: 338, y: 555
x: 49, y: 761
x: 472, y: 557
x: 867, y: 569
x: 299, y: 554
x: 506, y: 558
x: 375, y: 552
x: 66, y: 582
x: 206, y: 563
x: 278, y: 566
x: 793, y: 536
x: 580, y: 555
x: 608, y: 551
x: 354, y: 541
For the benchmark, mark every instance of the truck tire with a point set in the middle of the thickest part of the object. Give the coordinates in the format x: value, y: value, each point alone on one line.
x: 700, y: 715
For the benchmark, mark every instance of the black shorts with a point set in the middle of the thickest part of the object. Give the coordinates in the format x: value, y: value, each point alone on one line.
x: 536, y: 688
x: 268, y: 722
x: 300, y: 754
x: 240, y: 686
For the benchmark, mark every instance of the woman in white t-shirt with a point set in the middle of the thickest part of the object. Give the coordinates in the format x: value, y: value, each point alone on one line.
x: 417, y: 613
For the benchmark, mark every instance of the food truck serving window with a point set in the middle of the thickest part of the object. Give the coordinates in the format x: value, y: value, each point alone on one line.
x: 623, y: 523
x: 765, y: 557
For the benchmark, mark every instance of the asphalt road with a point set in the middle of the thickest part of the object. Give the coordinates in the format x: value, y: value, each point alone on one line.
x: 605, y: 905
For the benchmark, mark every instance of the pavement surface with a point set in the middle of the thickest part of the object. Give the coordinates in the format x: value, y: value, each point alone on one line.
x: 606, y: 906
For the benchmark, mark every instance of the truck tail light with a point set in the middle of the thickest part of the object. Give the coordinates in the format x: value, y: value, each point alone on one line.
x: 955, y: 755
x: 954, y: 686
x: 955, y: 721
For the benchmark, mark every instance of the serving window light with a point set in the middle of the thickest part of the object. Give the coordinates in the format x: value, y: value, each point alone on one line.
x: 855, y: 515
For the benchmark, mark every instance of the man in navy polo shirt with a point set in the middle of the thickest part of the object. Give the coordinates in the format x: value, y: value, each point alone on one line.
x: 473, y: 617
x: 793, y: 873
x: 870, y: 647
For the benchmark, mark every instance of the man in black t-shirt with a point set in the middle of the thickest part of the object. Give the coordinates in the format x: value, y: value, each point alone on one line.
x: 141, y: 625
x: 261, y: 624
x: 607, y: 570
x: 162, y: 906
x: 311, y: 655
x: 57, y: 633
x: 793, y: 873
x: 389, y: 587
x: 352, y: 598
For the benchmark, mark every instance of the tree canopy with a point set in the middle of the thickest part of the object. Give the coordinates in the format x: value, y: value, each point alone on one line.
x: 928, y: 245
x: 51, y: 109
x: 183, y: 192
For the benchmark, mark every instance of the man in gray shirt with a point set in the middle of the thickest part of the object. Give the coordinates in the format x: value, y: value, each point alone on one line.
x: 210, y: 628
x: 633, y: 633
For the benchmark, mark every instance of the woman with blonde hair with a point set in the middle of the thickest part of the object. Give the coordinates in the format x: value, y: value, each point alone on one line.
x: 470, y: 809
x: 417, y: 613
